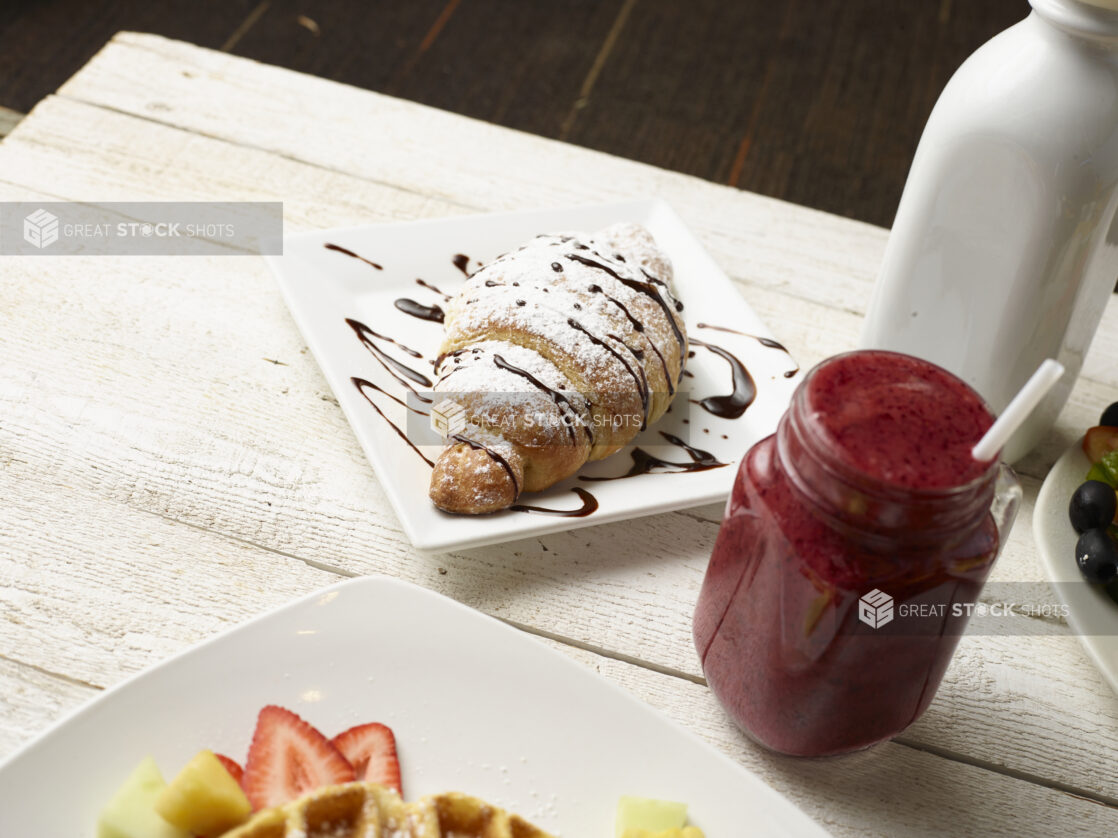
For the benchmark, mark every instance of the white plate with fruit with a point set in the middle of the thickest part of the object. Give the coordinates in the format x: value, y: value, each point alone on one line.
x: 475, y: 706
x: 1075, y: 531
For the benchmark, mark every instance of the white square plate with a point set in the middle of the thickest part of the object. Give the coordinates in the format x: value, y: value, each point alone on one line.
x: 476, y: 706
x: 325, y: 287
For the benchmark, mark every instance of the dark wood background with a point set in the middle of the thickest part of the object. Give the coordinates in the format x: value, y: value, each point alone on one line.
x: 820, y: 102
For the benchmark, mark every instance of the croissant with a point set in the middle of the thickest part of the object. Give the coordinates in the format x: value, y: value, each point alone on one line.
x: 554, y: 354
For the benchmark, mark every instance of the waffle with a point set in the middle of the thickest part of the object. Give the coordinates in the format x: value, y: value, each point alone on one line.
x: 368, y: 810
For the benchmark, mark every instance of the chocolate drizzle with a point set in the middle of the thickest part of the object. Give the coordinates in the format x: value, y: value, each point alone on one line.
x: 431, y: 313
x: 662, y: 284
x: 642, y: 384
x: 434, y: 314
x: 431, y: 287
x: 641, y: 287
x: 461, y: 261
x: 349, y: 252
x: 638, y: 326
x: 574, y: 257
x: 732, y: 405
x: 444, y: 355
x: 637, y: 353
x: 645, y: 463
x: 649, y: 290
x: 766, y: 342
x: 361, y: 329
x: 361, y: 384
x: 561, y: 401
x: 397, y: 369
x: 589, y: 505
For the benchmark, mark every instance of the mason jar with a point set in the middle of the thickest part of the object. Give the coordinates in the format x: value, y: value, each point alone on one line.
x: 852, y: 542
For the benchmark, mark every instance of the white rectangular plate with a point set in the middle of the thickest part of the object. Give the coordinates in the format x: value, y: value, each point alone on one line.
x: 476, y: 706
x: 324, y: 287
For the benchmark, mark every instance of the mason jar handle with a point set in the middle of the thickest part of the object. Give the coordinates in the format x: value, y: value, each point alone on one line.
x: 1007, y: 500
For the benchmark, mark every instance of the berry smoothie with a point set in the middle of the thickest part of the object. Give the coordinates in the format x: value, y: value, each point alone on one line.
x: 867, y: 485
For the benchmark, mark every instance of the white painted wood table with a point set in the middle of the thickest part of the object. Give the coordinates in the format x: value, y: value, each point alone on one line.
x: 172, y: 461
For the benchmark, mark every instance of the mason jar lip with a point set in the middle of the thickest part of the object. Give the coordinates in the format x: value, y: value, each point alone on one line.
x: 825, y: 452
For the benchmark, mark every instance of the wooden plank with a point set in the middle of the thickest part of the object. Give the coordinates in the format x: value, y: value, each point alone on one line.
x: 31, y: 700
x: 42, y: 44
x: 363, y: 44
x: 521, y: 65
x: 517, y: 64
x: 818, y: 104
x: 9, y: 119
x: 97, y: 591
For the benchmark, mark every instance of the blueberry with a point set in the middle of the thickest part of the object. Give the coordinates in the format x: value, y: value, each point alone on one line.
x: 1110, y: 416
x: 1097, y: 555
x: 1092, y: 506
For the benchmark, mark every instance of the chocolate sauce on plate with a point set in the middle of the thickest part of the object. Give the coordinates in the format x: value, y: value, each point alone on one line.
x: 766, y: 342
x: 732, y: 405
x: 397, y: 369
x: 589, y: 505
x: 431, y: 287
x: 349, y: 252
x: 361, y: 384
x: 461, y: 261
x: 434, y: 314
x: 645, y: 463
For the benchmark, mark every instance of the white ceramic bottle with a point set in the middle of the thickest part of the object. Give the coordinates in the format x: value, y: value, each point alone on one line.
x: 1005, y: 245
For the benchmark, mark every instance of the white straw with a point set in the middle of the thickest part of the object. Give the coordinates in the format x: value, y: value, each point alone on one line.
x: 1018, y: 410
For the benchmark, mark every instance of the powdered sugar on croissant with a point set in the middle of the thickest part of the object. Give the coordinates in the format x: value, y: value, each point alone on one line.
x: 560, y: 352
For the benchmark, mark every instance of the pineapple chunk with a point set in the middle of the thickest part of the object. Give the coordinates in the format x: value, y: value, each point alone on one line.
x: 203, y: 799
x: 685, y: 832
x: 648, y: 814
x: 131, y: 811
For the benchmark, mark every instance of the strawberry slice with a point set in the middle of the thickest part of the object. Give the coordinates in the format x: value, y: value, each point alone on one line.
x: 288, y: 758
x: 1099, y: 441
x: 371, y: 750
x: 230, y: 765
